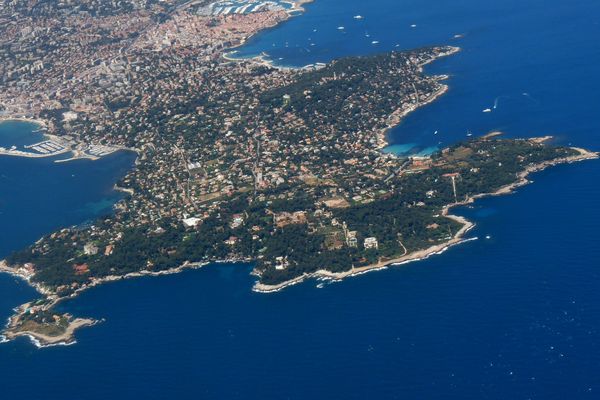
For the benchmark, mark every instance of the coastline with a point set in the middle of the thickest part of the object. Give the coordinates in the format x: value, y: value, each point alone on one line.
x: 118, y: 188
x: 396, y: 117
x: 68, y: 337
x: 76, y: 150
x: 393, y: 121
x: 458, y: 238
x: 296, y: 10
x: 41, y: 340
x: 260, y: 60
x: 35, y: 121
x: 25, y: 154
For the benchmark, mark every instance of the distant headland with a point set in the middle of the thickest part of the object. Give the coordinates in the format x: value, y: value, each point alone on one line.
x: 237, y: 160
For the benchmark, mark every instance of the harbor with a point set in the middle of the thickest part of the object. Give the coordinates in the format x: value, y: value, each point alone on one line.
x: 52, y: 146
x: 229, y: 7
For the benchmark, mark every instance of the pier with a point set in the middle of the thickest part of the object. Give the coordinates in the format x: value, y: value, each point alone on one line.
x: 228, y: 7
x: 47, y: 147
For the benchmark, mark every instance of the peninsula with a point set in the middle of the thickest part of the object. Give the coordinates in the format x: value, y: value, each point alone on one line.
x: 237, y: 160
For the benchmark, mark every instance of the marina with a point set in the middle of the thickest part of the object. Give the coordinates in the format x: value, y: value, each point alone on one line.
x: 47, y: 147
x: 228, y: 7
x: 52, y: 146
x: 44, y: 150
x: 100, y: 150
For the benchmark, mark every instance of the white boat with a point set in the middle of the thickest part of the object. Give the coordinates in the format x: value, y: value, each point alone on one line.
x: 341, y: 28
x: 413, y: 26
x: 487, y: 110
x: 375, y: 42
x: 358, y: 17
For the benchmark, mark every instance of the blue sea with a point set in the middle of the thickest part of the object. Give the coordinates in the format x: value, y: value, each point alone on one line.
x: 512, y: 315
x: 37, y: 196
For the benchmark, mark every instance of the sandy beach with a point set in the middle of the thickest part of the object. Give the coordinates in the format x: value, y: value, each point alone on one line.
x: 36, y: 121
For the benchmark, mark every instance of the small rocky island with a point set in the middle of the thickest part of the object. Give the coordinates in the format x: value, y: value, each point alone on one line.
x: 237, y: 159
x: 310, y: 234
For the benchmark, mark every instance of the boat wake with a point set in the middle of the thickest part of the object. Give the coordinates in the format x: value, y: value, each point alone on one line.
x: 530, y: 97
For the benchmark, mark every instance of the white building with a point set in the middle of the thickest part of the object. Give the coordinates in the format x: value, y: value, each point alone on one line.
x: 191, y: 222
x: 90, y: 249
x: 371, y: 243
x: 281, y: 263
x: 351, y: 240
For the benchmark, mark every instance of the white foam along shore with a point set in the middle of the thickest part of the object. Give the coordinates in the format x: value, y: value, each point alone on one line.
x: 41, y: 340
x: 258, y: 287
x: 458, y: 238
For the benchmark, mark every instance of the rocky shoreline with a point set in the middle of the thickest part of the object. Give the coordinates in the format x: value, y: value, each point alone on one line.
x: 11, y: 330
x: 458, y: 237
x: 42, y: 340
x: 396, y: 117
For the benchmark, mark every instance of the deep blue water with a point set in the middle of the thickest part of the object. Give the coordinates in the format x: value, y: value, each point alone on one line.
x: 19, y: 134
x: 515, y: 316
x: 39, y: 195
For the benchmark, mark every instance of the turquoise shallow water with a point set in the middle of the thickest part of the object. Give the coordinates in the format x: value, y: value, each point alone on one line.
x: 38, y: 195
x: 515, y: 316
